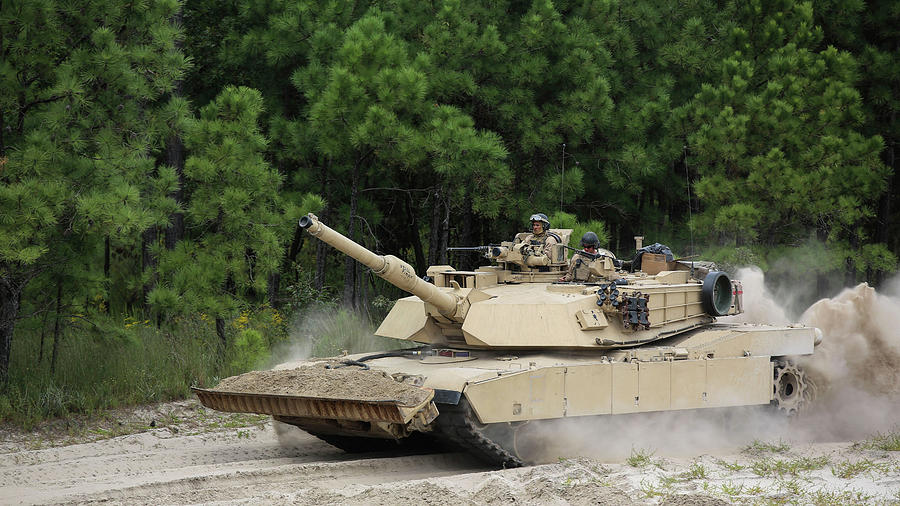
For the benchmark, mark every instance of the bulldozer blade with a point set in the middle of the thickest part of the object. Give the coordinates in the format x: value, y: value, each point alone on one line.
x: 316, y: 407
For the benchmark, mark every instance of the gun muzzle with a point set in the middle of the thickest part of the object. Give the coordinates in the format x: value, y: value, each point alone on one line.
x: 388, y: 267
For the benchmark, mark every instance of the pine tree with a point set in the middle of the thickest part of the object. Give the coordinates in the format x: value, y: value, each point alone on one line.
x: 233, y: 214
x: 777, y: 138
x: 79, y: 89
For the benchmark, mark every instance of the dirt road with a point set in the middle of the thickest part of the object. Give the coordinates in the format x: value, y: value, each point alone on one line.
x: 845, y: 450
x: 181, y: 453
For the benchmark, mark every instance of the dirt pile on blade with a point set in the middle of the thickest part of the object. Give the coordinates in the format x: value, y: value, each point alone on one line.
x: 316, y: 381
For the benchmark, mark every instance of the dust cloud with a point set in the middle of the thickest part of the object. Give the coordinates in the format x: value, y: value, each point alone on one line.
x: 326, y: 330
x: 855, y: 372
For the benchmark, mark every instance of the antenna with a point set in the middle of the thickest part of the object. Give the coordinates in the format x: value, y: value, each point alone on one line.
x: 562, y: 178
x: 687, y: 180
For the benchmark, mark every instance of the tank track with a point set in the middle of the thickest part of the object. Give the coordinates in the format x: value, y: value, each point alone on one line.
x: 459, y: 426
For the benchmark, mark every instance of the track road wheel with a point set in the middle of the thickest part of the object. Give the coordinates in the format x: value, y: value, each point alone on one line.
x: 492, y: 443
x: 794, y: 392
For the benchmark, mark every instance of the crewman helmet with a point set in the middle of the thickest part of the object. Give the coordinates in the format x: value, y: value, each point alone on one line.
x: 590, y: 239
x: 541, y: 217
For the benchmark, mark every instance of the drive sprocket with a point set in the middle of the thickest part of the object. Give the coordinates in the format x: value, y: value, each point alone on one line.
x: 794, y: 391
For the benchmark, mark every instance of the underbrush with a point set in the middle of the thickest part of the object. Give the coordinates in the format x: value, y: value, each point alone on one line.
x: 106, y: 362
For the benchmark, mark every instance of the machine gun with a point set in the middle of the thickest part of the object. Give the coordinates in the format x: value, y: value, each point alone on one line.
x: 594, y: 256
x: 483, y: 249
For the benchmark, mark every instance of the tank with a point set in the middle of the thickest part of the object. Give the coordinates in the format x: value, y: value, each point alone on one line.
x: 509, y: 343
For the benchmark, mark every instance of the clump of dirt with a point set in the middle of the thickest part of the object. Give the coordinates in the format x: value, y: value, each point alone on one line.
x: 318, y: 381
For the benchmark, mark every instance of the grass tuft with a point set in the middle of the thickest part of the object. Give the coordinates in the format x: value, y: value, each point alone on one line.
x: 886, y: 442
x: 731, y: 466
x: 758, y: 447
x: 849, y: 469
x: 791, y: 467
x: 696, y: 472
x: 640, y: 458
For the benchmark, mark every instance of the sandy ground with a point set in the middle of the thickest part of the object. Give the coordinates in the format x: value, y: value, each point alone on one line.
x: 844, y: 450
x: 182, y: 453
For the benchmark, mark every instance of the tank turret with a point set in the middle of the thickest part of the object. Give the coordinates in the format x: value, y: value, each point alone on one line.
x: 519, y: 303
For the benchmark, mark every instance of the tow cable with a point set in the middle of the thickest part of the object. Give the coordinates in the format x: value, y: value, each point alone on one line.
x: 360, y: 362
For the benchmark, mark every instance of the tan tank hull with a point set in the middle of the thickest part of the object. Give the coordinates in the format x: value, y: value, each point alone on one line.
x: 508, y: 345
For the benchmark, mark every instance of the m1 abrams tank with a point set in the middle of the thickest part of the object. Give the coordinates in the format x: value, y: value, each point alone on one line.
x: 508, y: 343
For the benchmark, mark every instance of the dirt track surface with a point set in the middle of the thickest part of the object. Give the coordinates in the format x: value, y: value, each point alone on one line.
x: 192, y: 455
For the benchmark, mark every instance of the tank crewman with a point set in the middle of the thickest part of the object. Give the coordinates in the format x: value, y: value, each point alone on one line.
x: 541, y: 234
x: 580, y: 265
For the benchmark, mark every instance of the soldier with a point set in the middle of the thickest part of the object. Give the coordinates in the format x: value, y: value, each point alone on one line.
x: 541, y: 234
x: 579, y: 265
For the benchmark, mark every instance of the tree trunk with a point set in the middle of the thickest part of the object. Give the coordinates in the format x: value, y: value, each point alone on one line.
x: 350, y: 293
x: 469, y: 261
x: 322, y: 250
x: 413, y: 236
x: 106, y: 255
x: 273, y: 284
x: 445, y: 234
x: 10, y: 291
x: 274, y: 281
x: 363, y: 297
x: 148, y: 264
x: 175, y: 158
x: 883, y: 221
x: 821, y: 277
x: 220, y: 331
x: 434, y: 243
x: 43, y: 335
x: 56, y: 339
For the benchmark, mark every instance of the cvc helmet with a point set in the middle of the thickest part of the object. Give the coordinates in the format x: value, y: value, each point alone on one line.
x: 590, y: 239
x: 541, y: 217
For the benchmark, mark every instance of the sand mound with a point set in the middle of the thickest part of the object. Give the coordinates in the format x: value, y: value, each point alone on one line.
x: 349, y: 383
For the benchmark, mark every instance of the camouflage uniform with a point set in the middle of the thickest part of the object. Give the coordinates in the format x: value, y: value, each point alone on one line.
x: 579, y: 268
x: 545, y: 238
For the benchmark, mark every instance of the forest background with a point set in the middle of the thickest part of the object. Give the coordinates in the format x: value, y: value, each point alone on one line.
x: 155, y: 156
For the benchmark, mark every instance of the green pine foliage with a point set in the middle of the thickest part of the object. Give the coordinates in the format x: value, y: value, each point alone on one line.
x: 759, y: 132
x: 233, y: 213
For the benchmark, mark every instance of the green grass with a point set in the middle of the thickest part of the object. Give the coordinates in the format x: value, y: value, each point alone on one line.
x: 137, y: 364
x: 792, y: 467
x: 639, y: 458
x: 651, y: 490
x: 848, y: 469
x: 731, y: 466
x: 828, y: 498
x: 731, y: 489
x: 887, y: 442
x: 120, y: 361
x: 696, y: 472
x: 758, y: 447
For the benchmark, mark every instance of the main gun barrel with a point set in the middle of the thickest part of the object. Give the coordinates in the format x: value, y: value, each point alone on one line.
x: 388, y: 267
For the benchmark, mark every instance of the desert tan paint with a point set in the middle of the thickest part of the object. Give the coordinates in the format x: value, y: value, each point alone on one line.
x: 540, y: 349
x: 623, y: 387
